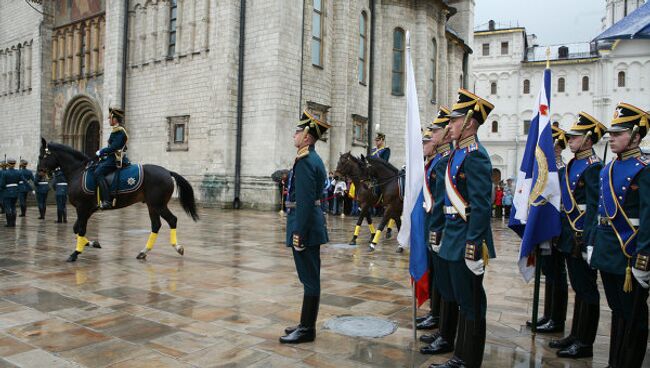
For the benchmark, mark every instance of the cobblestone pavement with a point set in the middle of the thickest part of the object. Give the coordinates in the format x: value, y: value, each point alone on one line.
x: 226, y: 301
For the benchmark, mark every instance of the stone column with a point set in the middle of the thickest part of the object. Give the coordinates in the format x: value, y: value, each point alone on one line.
x: 69, y: 53
x: 54, y: 58
x: 112, y: 65
x: 28, y: 67
x: 163, y: 29
x: 441, y: 76
x: 101, y: 44
x: 204, y: 42
x: 142, y: 35
x: 180, y: 27
x: 61, y: 54
x: 76, y: 51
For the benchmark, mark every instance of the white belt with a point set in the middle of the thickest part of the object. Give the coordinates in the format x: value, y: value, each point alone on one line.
x: 11, y: 185
x: 61, y: 184
x: 582, y: 207
x: 605, y: 221
x: 450, y: 210
x: 43, y: 183
x: 21, y: 182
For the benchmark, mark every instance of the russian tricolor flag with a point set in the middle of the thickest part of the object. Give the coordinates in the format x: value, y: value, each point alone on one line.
x: 412, y: 232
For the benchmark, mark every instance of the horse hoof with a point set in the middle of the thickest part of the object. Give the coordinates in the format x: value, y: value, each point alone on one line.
x: 371, y: 247
x: 399, y: 250
x: 95, y: 244
x: 141, y: 255
x: 180, y: 249
x: 352, y: 242
x: 389, y: 234
x: 73, y: 257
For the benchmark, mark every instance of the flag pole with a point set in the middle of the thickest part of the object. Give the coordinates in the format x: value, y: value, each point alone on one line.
x: 415, y: 330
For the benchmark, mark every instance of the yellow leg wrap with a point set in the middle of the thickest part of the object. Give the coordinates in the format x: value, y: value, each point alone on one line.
x: 391, y: 224
x: 81, y: 243
x: 172, y: 237
x: 356, y: 230
x: 372, y: 228
x: 152, y: 240
x: 377, y: 236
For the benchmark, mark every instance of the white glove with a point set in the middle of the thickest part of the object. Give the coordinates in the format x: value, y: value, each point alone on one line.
x: 584, y: 257
x: 298, y: 249
x: 545, y: 247
x: 97, y: 153
x: 642, y: 277
x: 476, y: 267
x: 435, y: 248
x: 590, y: 252
x: 34, y: 192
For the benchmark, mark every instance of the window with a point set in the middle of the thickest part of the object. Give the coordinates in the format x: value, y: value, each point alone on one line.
x: 486, y: 49
x: 363, y: 46
x: 495, y: 127
x: 504, y: 48
x: 18, y: 67
x: 560, y: 84
x: 82, y: 53
x: 526, y: 126
x: 434, y: 69
x: 585, y: 83
x: 621, y: 79
x: 317, y: 34
x: 178, y: 133
x: 493, y: 88
x: 171, y: 49
x: 398, y: 62
x: 563, y: 52
x: 359, y: 130
x: 526, y: 86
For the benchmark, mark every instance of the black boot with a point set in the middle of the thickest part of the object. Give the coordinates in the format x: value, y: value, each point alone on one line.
x: 433, y: 319
x: 8, y: 218
x: 456, y: 360
x: 59, y: 217
x: 23, y: 209
x: 104, y: 195
x: 582, y: 347
x: 41, y: 213
x: 65, y: 217
x: 13, y: 219
x: 569, y: 339
x: 306, y: 331
x: 443, y: 341
x: 548, y: 303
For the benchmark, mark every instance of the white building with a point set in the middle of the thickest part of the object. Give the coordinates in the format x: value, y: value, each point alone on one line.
x: 217, y: 113
x: 590, y: 77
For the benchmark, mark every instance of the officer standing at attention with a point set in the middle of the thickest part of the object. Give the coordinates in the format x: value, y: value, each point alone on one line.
x: 60, y: 186
x: 9, y: 182
x: 580, y: 206
x: 306, y: 229
x: 23, y: 186
x: 3, y: 168
x: 443, y: 340
x: 621, y: 241
x: 42, y: 188
x: 112, y: 157
x: 552, y: 261
x: 467, y: 244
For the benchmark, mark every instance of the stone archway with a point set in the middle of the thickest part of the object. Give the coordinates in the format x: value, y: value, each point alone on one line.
x: 82, y: 125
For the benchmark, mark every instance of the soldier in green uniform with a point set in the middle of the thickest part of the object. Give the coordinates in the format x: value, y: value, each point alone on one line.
x: 42, y: 188
x: 467, y: 242
x: 23, y: 186
x: 306, y: 228
x: 9, y: 182
x: 580, y: 205
x: 552, y: 262
x: 621, y: 241
x: 443, y: 340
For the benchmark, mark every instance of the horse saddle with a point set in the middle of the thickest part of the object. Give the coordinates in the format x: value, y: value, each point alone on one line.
x: 128, y: 179
x: 401, y: 183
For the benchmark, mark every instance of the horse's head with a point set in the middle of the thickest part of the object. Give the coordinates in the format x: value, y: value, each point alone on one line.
x: 46, y: 159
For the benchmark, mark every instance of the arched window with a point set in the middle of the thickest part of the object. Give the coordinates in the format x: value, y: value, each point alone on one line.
x: 398, y: 62
x: 495, y: 127
x: 434, y: 69
x: 493, y: 88
x: 561, y: 84
x: 585, y: 83
x: 317, y: 34
x: 363, y: 46
x: 526, y: 86
x: 621, y: 79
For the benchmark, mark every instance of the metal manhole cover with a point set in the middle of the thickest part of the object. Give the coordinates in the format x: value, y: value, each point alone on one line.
x: 342, y: 246
x: 361, y: 326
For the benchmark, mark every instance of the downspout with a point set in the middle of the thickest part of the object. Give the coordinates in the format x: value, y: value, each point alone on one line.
x: 125, y: 50
x: 302, y: 59
x: 236, y: 204
x: 371, y: 74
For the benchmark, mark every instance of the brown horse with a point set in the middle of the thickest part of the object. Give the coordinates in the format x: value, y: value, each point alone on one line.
x: 156, y: 190
x: 386, y: 177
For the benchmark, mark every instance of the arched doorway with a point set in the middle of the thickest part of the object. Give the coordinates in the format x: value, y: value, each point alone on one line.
x: 496, y: 176
x: 81, y: 125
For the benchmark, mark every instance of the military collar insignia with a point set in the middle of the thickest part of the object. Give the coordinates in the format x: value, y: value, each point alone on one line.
x: 303, y: 152
x: 634, y: 152
x: 445, y: 149
x: 584, y: 154
x: 466, y: 142
x: 116, y: 129
x: 559, y: 163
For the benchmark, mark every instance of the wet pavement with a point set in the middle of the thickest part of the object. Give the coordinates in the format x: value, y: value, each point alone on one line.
x: 226, y: 301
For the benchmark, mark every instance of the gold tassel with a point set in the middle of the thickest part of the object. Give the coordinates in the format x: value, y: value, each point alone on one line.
x: 486, y: 254
x: 627, y: 286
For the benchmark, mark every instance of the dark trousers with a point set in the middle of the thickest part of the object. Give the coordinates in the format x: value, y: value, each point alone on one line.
x: 555, y: 276
x: 22, y: 200
x: 41, y: 200
x: 61, y: 201
x: 10, y: 209
x: 468, y: 291
x: 443, y: 278
x: 583, y: 279
x: 308, y: 268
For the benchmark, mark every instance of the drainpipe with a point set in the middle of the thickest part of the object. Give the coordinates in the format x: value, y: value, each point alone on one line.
x: 125, y: 49
x: 302, y: 59
x: 371, y: 74
x: 236, y: 203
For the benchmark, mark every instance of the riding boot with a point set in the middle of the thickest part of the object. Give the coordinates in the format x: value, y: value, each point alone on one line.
x: 569, y: 339
x: 104, y: 195
x: 306, y: 331
x: 548, y: 303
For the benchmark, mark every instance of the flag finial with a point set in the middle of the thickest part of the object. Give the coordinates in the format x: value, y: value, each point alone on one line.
x: 548, y: 57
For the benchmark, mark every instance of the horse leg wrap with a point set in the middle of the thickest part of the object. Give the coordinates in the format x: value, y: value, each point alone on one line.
x: 375, y: 240
x: 391, y: 224
x: 172, y: 237
x: 357, y: 229
x: 151, y: 241
x: 372, y: 228
x: 81, y: 243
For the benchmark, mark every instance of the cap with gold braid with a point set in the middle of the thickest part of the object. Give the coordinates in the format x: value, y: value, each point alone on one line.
x: 468, y: 101
x: 442, y: 120
x: 627, y: 117
x: 114, y: 112
x: 309, y: 123
x: 559, y: 137
x: 585, y: 124
x: 427, y: 136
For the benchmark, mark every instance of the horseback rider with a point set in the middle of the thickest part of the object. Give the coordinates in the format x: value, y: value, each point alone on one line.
x: 111, y: 157
x: 380, y: 150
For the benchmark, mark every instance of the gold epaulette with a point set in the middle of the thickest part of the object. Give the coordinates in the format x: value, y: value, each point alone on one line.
x: 303, y: 152
x: 466, y: 142
x: 584, y: 154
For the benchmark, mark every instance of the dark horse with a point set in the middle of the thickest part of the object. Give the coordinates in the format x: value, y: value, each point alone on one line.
x: 356, y: 169
x: 155, y: 191
x: 386, y: 177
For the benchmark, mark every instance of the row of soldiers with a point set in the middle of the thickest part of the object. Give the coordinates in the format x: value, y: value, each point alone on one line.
x: 605, y: 227
x: 15, y: 186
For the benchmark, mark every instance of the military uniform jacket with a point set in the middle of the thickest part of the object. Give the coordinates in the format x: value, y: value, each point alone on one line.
x: 305, y: 219
x: 116, y: 142
x: 59, y: 184
x: 2, y: 190
x: 42, y: 184
x: 565, y: 240
x: 436, y: 218
x: 9, y: 182
x: 468, y: 178
x: 580, y: 197
x: 26, y: 176
x: 382, y: 153
x: 623, y: 229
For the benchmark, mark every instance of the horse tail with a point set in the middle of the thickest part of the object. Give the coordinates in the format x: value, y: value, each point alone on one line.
x: 186, y: 194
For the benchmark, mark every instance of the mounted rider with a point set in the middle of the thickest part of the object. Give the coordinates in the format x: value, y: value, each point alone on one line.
x: 111, y: 157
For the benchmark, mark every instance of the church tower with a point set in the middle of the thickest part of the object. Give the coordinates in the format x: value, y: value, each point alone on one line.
x: 619, y: 9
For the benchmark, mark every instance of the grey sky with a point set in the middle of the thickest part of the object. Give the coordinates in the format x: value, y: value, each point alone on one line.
x: 553, y: 21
